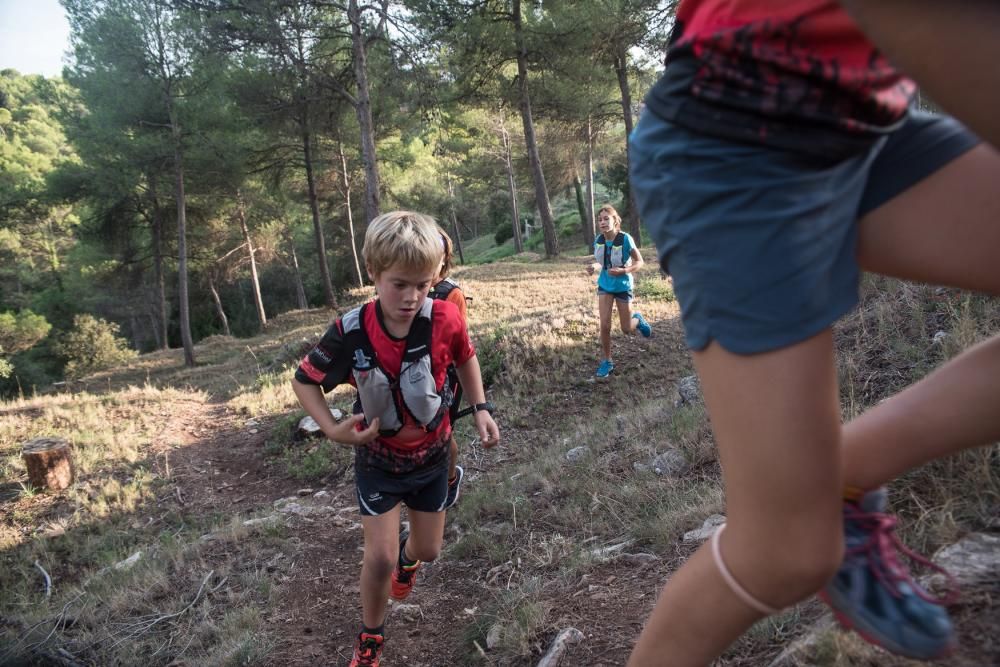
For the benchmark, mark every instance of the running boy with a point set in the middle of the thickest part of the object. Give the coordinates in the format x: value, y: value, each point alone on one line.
x: 617, y: 258
x: 449, y: 290
x: 776, y: 159
x: 396, y: 350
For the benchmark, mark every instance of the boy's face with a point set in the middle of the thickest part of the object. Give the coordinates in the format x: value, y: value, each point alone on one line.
x: 401, y: 291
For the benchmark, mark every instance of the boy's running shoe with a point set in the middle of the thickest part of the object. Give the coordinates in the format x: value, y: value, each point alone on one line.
x: 403, y: 576
x: 367, y: 650
x: 604, y: 370
x: 875, y: 595
x: 643, y: 326
x: 453, y: 487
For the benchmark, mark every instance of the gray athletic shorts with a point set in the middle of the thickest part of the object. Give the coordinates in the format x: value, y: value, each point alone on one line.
x: 760, y: 242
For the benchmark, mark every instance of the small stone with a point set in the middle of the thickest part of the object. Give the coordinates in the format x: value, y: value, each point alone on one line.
x: 671, y: 463
x: 304, y: 492
x: 688, y: 391
x: 577, y: 453
x: 707, y: 529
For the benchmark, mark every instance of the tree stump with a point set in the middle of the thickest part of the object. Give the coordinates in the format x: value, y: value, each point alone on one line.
x: 49, y: 462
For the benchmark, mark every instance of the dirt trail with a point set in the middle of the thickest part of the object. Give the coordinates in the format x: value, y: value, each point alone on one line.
x: 318, y: 612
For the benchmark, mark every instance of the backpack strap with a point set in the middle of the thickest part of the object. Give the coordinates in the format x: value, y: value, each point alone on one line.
x: 442, y: 289
x: 356, y: 338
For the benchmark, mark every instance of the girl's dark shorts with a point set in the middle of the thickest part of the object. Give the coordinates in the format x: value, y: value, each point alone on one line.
x: 760, y: 241
x: 624, y: 297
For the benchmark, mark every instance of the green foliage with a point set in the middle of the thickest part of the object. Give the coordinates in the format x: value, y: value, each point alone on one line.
x: 21, y: 331
x: 94, y: 345
x: 492, y: 352
x: 654, y: 288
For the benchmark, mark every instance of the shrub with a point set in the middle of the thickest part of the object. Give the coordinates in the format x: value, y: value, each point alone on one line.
x: 94, y: 345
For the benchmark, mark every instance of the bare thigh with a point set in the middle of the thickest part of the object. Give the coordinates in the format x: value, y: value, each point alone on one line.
x: 776, y: 421
x: 426, y: 534
x: 944, y: 230
x: 605, y: 302
x: 624, y: 314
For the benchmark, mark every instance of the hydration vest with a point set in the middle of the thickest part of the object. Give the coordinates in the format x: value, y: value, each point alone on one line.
x: 444, y: 288
x: 614, y: 259
x: 388, y: 397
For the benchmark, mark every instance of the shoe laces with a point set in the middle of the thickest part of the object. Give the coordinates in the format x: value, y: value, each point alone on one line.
x: 368, y: 648
x: 881, y: 548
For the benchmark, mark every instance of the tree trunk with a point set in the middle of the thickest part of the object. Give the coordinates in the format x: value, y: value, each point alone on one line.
x: 350, y: 214
x: 49, y: 462
x: 621, y: 68
x: 300, y: 290
x: 155, y: 326
x: 586, y: 227
x: 541, y: 194
x: 512, y: 187
x: 218, y: 307
x: 254, y: 279
x: 160, y: 328
x: 363, y: 109
x: 324, y: 270
x: 182, y: 276
x: 590, y: 178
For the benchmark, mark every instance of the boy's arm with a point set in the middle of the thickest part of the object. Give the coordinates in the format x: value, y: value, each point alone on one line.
x: 471, y: 379
x: 313, y: 402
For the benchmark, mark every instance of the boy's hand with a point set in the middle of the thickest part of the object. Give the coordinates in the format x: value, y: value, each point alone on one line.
x: 489, y: 432
x: 592, y: 268
x: 345, y: 433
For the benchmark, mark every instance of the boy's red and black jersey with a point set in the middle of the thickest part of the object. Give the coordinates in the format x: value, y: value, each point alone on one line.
x: 796, y: 74
x: 330, y: 362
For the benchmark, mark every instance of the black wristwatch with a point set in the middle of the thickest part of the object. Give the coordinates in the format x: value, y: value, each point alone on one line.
x: 484, y: 406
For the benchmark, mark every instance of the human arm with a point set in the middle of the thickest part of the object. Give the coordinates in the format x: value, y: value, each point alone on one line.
x: 326, y: 366
x: 634, y: 266
x: 471, y: 379
x: 311, y: 398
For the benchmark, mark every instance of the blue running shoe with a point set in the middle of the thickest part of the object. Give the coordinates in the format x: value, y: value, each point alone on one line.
x: 604, y: 370
x: 643, y: 326
x: 874, y: 594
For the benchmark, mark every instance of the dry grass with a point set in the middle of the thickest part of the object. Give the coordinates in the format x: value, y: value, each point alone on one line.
x: 533, y: 518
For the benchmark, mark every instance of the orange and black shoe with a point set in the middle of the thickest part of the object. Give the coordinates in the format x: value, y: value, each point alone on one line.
x: 367, y: 650
x: 403, y: 578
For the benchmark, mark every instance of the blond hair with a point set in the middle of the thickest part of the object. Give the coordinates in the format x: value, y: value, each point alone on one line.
x: 404, y: 238
x: 616, y: 219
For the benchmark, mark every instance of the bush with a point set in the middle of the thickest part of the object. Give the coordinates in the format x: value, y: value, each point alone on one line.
x: 94, y: 345
x: 504, y: 233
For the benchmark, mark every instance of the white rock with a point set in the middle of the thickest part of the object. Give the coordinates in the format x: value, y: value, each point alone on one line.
x: 707, y: 529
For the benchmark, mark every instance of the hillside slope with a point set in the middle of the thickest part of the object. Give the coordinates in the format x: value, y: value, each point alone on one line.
x: 249, y: 540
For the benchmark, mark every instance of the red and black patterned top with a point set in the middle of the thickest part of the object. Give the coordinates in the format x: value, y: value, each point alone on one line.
x: 797, y: 74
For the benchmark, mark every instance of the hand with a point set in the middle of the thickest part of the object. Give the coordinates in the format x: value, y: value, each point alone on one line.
x: 617, y: 271
x: 489, y: 432
x: 345, y: 434
x: 592, y: 268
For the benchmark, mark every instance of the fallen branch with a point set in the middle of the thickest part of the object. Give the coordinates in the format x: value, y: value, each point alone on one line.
x: 145, y: 624
x: 555, y: 653
x: 48, y: 579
